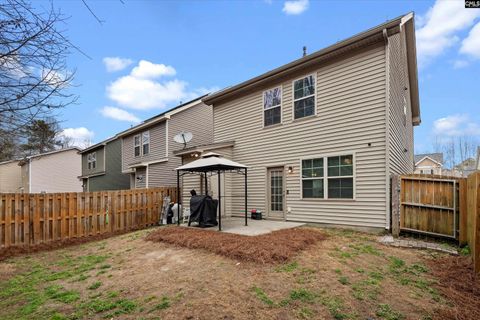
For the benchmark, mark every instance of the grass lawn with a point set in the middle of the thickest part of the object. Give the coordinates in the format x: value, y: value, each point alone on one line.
x: 346, y: 276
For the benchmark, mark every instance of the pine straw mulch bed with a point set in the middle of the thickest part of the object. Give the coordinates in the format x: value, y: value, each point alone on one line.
x: 275, y: 247
x: 458, y: 283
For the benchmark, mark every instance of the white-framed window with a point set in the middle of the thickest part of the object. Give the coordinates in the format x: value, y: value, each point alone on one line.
x: 146, y: 142
x: 136, y: 145
x: 272, y: 106
x: 330, y: 177
x: 313, y: 178
x: 304, y: 97
x: 340, y: 177
x: 426, y: 171
x: 92, y: 160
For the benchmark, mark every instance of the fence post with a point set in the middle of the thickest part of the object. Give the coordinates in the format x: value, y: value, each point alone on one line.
x: 462, y: 209
x: 395, y: 181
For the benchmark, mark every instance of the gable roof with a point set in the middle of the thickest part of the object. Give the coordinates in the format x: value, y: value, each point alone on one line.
x: 370, y: 36
x: 436, y: 157
x: 98, y: 145
x: 39, y: 155
x: 161, y: 117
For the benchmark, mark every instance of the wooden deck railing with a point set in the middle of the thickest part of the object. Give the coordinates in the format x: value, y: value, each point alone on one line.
x: 30, y: 219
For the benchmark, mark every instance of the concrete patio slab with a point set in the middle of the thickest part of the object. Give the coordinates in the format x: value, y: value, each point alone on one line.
x: 254, y: 228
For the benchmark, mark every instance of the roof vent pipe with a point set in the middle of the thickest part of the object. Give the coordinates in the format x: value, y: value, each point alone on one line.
x: 304, y: 51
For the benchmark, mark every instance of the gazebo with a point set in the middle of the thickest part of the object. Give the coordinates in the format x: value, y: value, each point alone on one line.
x: 211, y: 163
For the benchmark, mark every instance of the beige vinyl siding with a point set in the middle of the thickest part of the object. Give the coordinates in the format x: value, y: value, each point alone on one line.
x: 400, y: 135
x: 350, y: 114
x: 100, y: 159
x: 198, y: 120
x: 57, y: 172
x: 10, y: 177
x: 157, y: 146
x: 141, y: 172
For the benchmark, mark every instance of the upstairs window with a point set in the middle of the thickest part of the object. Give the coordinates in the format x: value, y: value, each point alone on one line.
x: 272, y: 110
x: 92, y: 160
x: 304, y: 97
x: 136, y: 145
x: 146, y: 142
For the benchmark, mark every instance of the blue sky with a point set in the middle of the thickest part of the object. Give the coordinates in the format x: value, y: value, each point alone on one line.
x: 147, y: 56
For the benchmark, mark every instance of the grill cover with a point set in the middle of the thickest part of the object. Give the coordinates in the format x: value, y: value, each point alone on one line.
x: 203, y: 209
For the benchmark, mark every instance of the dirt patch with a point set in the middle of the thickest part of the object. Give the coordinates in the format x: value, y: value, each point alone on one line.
x: 13, y: 251
x: 275, y: 247
x: 457, y: 282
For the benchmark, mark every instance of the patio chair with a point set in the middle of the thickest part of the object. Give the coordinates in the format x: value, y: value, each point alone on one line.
x: 186, y: 215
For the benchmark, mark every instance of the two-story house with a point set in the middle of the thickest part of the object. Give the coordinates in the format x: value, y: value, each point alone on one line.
x: 323, y: 134
x: 147, y: 149
x: 102, y: 167
x: 429, y: 163
x: 54, y: 171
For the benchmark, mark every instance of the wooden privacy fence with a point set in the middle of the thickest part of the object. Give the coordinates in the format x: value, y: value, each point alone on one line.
x: 439, y: 206
x: 428, y: 204
x: 30, y: 219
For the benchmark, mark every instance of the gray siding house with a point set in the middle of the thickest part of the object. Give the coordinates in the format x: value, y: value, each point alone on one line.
x: 102, y: 167
x: 147, y: 149
x: 323, y: 134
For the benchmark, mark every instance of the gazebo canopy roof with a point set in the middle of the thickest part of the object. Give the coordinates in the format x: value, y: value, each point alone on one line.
x: 211, y: 162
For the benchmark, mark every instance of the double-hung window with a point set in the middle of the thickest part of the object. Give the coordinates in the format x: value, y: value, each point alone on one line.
x: 146, y: 142
x: 312, y: 178
x: 136, y: 145
x: 340, y: 177
x: 304, y: 97
x: 272, y: 110
x: 92, y: 160
x: 328, y: 177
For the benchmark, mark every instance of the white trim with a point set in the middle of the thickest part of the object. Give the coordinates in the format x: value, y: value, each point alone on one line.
x: 29, y: 175
x: 146, y: 176
x: 166, y: 138
x: 425, y: 157
x: 325, y: 176
x: 387, y: 133
x: 277, y: 106
x: 314, y: 75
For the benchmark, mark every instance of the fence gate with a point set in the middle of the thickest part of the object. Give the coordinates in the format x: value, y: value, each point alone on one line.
x: 429, y: 205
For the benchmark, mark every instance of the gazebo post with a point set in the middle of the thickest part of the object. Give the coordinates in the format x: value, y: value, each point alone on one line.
x: 178, y: 197
x: 206, y: 183
x: 246, y: 210
x: 219, y: 204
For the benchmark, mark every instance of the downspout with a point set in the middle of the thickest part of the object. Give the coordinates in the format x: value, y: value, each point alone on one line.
x: 387, y: 129
x: 29, y: 175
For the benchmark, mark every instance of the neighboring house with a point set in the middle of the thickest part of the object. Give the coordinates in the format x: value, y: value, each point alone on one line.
x: 147, y: 149
x: 323, y: 134
x: 429, y: 163
x: 478, y: 158
x: 102, y: 167
x: 55, y: 171
x: 10, y: 177
x: 466, y: 167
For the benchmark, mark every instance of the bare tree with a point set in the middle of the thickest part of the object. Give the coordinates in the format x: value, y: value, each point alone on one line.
x: 459, y: 152
x: 34, y: 79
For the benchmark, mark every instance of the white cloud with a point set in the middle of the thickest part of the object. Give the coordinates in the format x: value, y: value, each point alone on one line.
x: 458, y: 64
x: 471, y: 44
x: 148, y: 70
x: 116, y: 63
x: 141, y: 91
x: 455, y: 126
x: 143, y: 94
x: 119, y: 114
x: 80, y: 137
x: 295, y: 7
x: 440, y: 27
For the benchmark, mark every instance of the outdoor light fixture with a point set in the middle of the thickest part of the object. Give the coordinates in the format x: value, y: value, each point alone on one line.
x: 290, y: 169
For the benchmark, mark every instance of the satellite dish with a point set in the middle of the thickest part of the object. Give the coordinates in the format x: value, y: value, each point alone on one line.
x: 183, y: 137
